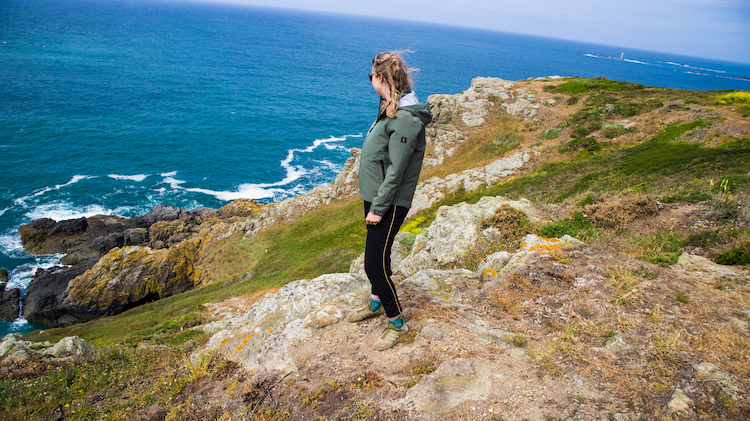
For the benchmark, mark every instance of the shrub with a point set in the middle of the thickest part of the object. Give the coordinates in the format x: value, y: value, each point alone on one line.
x: 510, y: 222
x: 549, y: 134
x: 740, y: 98
x: 588, y: 144
x: 735, y: 256
x: 709, y: 238
x: 737, y: 97
x: 588, y: 200
x: 726, y: 209
x: 413, y: 225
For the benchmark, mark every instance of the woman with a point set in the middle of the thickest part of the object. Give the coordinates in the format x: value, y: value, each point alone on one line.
x: 390, y: 163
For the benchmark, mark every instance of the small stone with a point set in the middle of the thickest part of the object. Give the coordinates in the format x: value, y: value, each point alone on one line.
x: 680, y: 402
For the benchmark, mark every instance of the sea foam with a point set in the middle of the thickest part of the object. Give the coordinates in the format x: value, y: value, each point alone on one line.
x: 21, y: 201
x: 137, y: 177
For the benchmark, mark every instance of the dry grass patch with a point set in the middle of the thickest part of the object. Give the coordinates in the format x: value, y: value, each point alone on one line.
x: 500, y: 134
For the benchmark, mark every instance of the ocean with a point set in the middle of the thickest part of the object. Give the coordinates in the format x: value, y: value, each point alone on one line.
x: 112, y: 107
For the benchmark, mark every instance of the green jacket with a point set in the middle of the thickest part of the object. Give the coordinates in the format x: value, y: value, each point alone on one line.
x: 391, y: 159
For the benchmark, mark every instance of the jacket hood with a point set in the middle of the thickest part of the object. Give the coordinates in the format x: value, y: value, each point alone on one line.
x: 410, y: 103
x: 420, y: 110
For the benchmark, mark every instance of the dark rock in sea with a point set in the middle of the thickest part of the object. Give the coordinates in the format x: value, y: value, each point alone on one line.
x: 128, y: 277
x: 145, y: 258
x: 159, y: 213
x: 86, y: 238
x: 46, y: 292
x: 9, y: 300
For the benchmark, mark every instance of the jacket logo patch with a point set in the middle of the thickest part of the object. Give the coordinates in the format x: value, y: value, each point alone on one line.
x: 403, y: 140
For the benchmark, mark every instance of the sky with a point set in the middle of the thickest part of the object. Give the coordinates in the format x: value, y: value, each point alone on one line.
x: 716, y: 29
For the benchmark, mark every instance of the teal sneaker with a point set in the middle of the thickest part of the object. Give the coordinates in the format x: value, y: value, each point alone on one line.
x: 363, y: 313
x: 390, y: 336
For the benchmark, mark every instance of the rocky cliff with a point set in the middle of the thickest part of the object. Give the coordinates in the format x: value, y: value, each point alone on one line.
x: 115, y: 263
x: 510, y: 318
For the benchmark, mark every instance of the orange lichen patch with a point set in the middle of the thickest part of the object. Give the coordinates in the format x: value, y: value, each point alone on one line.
x: 489, y: 272
x: 244, y: 342
x: 269, y: 329
x: 225, y: 342
x: 545, y: 247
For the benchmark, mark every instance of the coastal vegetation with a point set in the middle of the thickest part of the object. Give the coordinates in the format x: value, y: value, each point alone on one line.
x: 612, y: 154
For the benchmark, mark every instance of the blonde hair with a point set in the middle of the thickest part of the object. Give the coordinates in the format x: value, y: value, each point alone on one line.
x: 395, y: 74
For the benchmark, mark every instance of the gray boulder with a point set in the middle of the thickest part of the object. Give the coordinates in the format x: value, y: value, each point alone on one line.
x: 68, y: 346
x: 455, y: 229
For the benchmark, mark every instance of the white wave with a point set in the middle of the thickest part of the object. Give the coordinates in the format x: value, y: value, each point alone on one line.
x: 10, y: 245
x: 22, y: 275
x: 293, y: 173
x: 137, y: 177
x: 694, y: 67
x: 617, y: 59
x: 244, y: 191
x: 173, y: 182
x: 18, y: 324
x: 330, y: 165
x: 60, y: 211
x: 76, y: 178
x: 2, y: 211
x: 266, y: 190
x: 637, y: 62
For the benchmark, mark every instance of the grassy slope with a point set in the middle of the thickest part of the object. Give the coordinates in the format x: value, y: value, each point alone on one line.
x: 326, y: 240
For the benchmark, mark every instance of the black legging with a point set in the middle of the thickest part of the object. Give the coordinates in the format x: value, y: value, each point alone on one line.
x: 378, y: 256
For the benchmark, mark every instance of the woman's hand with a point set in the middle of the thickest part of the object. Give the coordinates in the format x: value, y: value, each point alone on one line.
x: 372, y: 219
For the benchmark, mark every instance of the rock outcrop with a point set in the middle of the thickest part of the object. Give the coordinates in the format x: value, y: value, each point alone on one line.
x: 13, y: 349
x: 101, y: 247
x: 118, y: 263
x: 454, y: 230
x: 302, y: 322
x: 46, y: 292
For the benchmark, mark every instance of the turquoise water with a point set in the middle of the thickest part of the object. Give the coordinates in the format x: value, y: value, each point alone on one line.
x: 116, y: 106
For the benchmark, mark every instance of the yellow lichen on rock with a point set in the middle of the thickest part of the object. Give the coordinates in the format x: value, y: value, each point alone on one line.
x: 239, y: 208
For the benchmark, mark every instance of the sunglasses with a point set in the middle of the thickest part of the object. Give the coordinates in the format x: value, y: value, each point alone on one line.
x: 370, y: 75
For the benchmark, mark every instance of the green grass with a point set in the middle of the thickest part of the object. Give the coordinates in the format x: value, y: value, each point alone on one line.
x: 661, y: 249
x: 109, y: 371
x: 578, y: 226
x: 653, y: 166
x: 687, y: 196
x: 323, y: 241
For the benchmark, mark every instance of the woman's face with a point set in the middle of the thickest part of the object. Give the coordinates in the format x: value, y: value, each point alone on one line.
x: 378, y: 83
